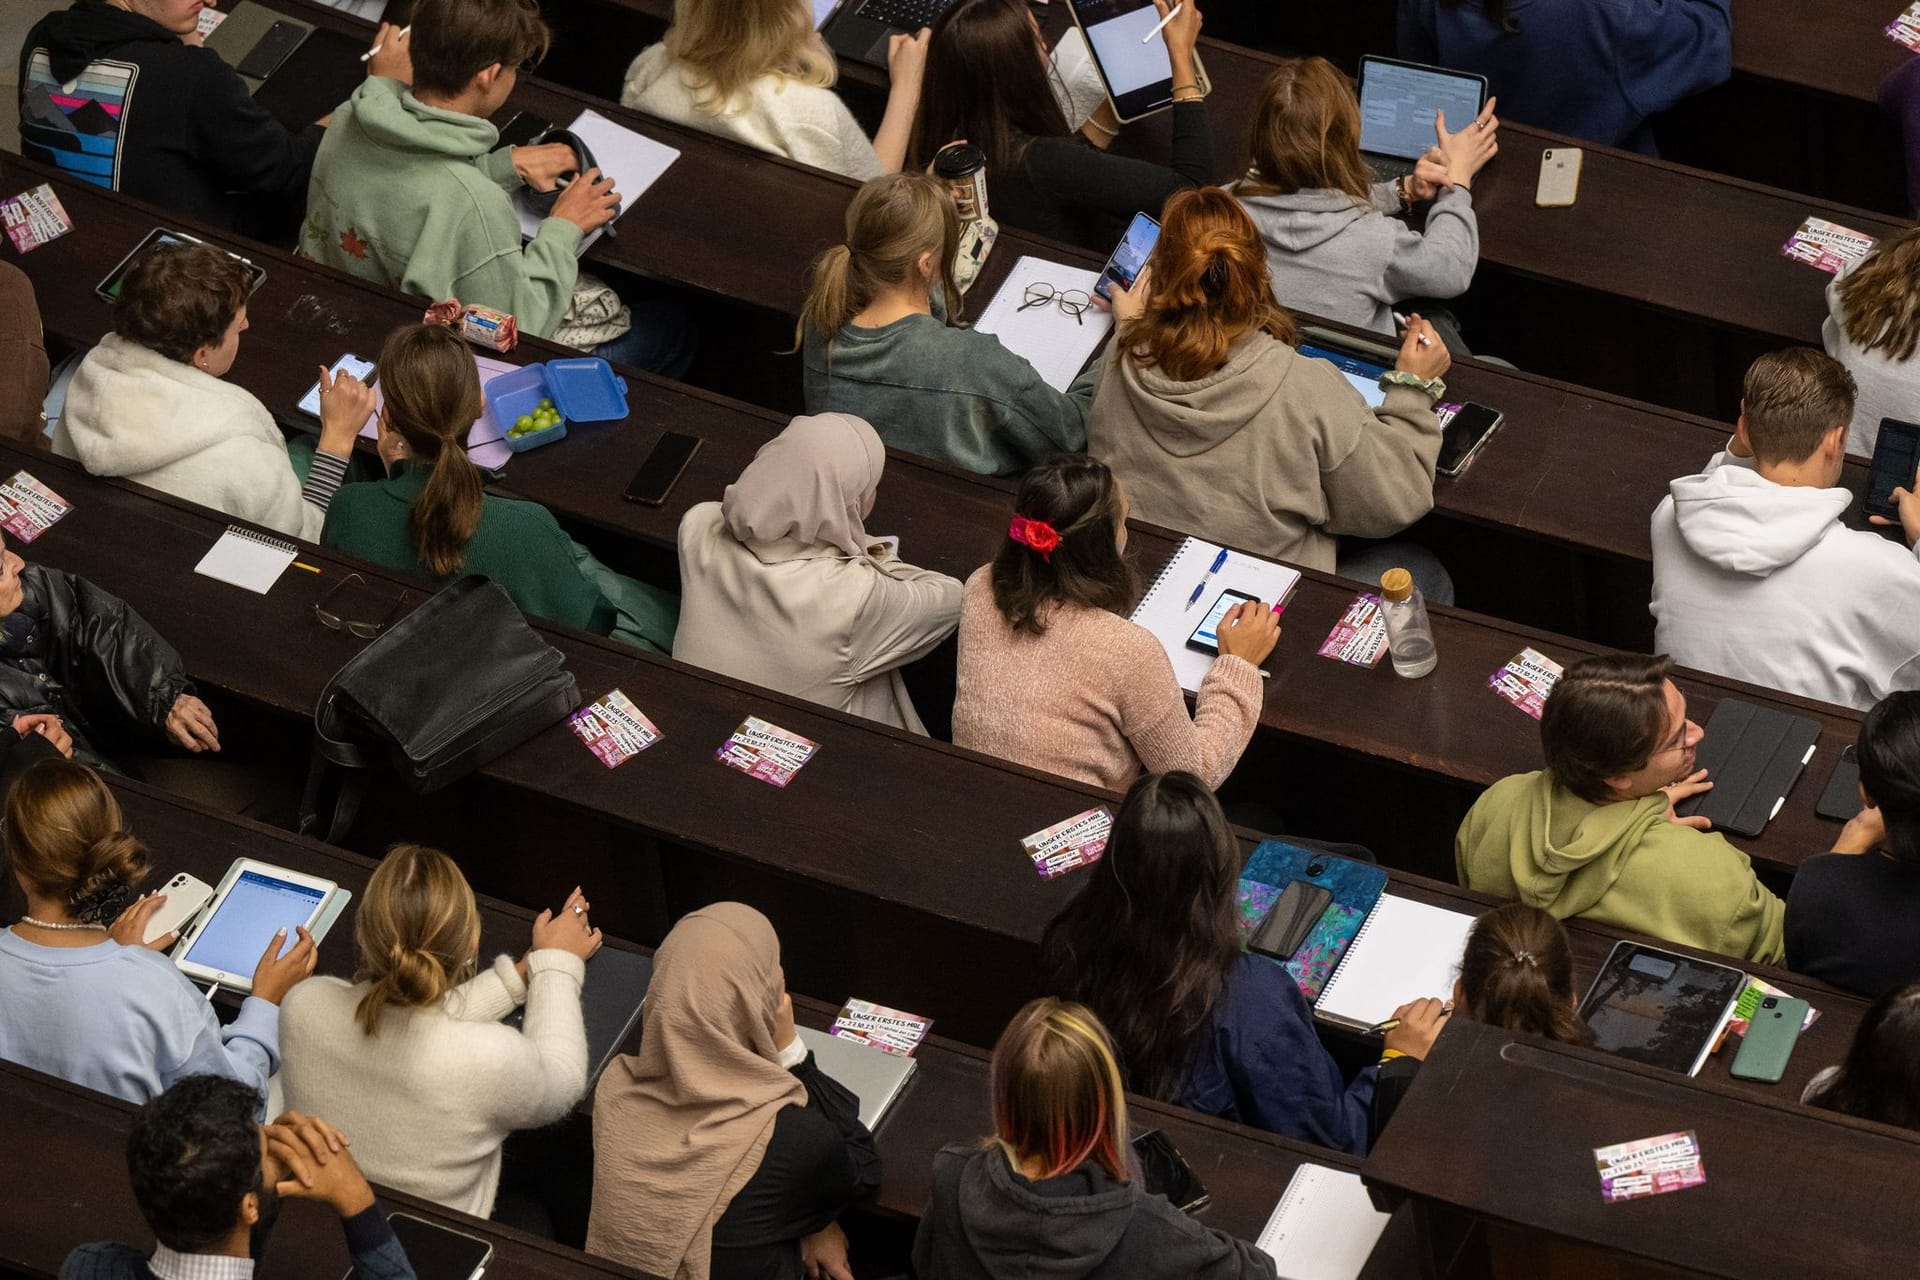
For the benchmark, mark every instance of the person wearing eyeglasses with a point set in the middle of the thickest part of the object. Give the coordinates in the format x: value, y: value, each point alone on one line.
x: 433, y: 518
x: 880, y: 342
x: 1595, y: 833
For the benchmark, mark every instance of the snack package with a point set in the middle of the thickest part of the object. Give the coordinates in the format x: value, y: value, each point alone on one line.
x: 482, y: 326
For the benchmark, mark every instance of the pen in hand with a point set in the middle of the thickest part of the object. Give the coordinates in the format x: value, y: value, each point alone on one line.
x: 404, y: 33
x: 1381, y: 1028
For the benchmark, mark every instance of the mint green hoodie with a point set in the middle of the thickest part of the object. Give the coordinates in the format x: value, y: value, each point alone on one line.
x: 1623, y: 864
x: 414, y: 197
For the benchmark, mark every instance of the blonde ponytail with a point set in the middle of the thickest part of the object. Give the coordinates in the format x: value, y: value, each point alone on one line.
x: 415, y: 930
x: 892, y: 221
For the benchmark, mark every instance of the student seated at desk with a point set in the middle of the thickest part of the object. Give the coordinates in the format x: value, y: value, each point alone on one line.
x: 1152, y: 945
x: 432, y: 516
x: 721, y: 1149
x: 209, y: 1180
x: 1516, y: 972
x: 1851, y: 912
x: 23, y: 360
x: 1594, y: 833
x: 987, y: 83
x: 1053, y: 1191
x: 1334, y: 245
x: 1596, y: 71
x: 1053, y: 674
x: 1216, y: 424
x: 1880, y: 1079
x: 411, y: 1057
x: 411, y: 190
x: 781, y: 586
x: 82, y: 996
x: 151, y: 404
x: 757, y: 72
x: 880, y: 343
x: 1873, y: 328
x: 1754, y: 575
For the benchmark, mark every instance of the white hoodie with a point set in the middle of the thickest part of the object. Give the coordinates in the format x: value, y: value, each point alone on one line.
x: 157, y: 421
x: 1761, y: 582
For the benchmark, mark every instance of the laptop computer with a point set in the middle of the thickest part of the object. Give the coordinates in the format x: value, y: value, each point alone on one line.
x: 860, y: 29
x: 1397, y: 105
x: 610, y: 1003
x: 873, y: 1075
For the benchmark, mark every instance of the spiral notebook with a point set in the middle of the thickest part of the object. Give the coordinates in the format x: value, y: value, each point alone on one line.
x: 1164, y: 610
x: 1325, y: 1226
x: 247, y: 558
x: 1403, y: 951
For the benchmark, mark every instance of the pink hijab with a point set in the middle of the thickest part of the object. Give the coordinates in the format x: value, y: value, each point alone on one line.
x: 809, y: 484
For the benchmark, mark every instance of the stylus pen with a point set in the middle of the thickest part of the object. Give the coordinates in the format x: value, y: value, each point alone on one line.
x: 1381, y: 1028
x: 404, y: 33
x: 1171, y: 15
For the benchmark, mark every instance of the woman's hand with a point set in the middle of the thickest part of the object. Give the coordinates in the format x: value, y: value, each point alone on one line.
x: 130, y: 929
x: 1420, y: 1025
x: 1465, y: 153
x: 48, y: 727
x: 390, y: 445
x: 345, y: 405
x: 570, y: 931
x: 1249, y: 630
x: 824, y: 1254
x: 1685, y: 789
x: 907, y: 60
x: 1864, y: 832
x: 1181, y: 35
x: 1422, y: 354
x: 1130, y: 304
x: 276, y: 974
x: 191, y: 725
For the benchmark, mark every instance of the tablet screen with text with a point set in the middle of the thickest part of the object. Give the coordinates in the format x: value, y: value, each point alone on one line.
x: 258, y: 904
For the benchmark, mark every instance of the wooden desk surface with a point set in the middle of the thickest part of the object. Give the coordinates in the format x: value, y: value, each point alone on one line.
x: 1836, y: 47
x: 1506, y: 1127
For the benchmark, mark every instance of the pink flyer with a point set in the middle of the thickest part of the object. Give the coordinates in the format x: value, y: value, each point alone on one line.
x: 766, y: 751
x: 1360, y: 637
x: 883, y: 1028
x: 614, y: 729
x: 34, y: 217
x: 28, y: 508
x: 1827, y: 245
x: 1649, y: 1167
x: 1077, y: 842
x: 1526, y: 681
x: 1905, y: 29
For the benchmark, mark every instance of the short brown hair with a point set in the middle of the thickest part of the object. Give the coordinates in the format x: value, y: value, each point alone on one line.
x: 66, y: 839
x: 1792, y: 399
x: 177, y: 298
x: 1306, y: 134
x: 455, y: 40
x: 1076, y: 496
x: 1604, y: 718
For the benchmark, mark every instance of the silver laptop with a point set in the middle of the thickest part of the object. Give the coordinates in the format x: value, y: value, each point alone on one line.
x: 1397, y: 105
x: 873, y: 1075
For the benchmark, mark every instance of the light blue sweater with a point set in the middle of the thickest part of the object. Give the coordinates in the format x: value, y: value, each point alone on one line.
x: 124, y: 1021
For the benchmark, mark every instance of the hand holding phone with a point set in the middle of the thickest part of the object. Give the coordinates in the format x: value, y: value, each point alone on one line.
x: 1129, y: 257
x: 1893, y: 478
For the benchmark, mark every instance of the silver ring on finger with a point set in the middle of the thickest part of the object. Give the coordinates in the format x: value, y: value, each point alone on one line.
x: 579, y: 910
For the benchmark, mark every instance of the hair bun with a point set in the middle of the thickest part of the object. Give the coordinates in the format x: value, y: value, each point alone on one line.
x: 109, y: 870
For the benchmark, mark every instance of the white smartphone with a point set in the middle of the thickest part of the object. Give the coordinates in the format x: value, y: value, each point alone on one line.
x: 1559, y: 178
x: 253, y: 901
x: 185, y: 896
x: 349, y: 363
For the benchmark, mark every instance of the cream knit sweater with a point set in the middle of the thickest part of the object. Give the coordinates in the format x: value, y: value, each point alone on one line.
x: 1094, y: 699
x: 428, y: 1100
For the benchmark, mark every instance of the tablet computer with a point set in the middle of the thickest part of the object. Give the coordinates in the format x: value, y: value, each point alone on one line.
x: 1660, y: 1007
x: 253, y: 901
x: 1131, y: 55
x: 109, y: 288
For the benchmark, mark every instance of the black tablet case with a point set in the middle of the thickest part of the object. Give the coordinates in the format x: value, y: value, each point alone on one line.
x: 1752, y: 755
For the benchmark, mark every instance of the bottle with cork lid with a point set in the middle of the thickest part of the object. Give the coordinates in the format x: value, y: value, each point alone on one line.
x: 1409, y: 634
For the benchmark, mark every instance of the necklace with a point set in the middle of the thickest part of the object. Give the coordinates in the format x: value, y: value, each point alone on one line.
x: 42, y: 924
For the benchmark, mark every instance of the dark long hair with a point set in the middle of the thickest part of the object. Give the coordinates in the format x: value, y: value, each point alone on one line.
x: 432, y: 397
x: 986, y: 83
x: 1889, y: 753
x: 1078, y: 497
x: 1880, y: 1080
x: 1517, y: 974
x: 1148, y: 943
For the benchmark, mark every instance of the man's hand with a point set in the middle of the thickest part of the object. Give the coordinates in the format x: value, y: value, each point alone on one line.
x: 191, y: 725
x: 543, y: 166
x: 1676, y: 792
x: 589, y: 202
x: 1907, y: 502
x: 395, y: 59
x: 824, y: 1254
x: 49, y: 727
x: 309, y: 1160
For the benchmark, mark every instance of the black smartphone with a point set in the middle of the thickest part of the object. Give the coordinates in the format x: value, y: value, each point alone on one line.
x: 272, y: 49
x: 1896, y: 453
x: 1289, y: 920
x: 1206, y: 636
x: 655, y: 479
x: 1841, y: 798
x: 1164, y: 1172
x: 1129, y: 256
x: 523, y: 129
x: 1466, y: 430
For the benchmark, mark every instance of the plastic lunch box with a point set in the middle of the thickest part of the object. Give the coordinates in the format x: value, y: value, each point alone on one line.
x: 583, y: 389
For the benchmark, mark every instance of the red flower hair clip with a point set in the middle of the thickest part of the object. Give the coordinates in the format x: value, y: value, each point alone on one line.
x: 1038, y: 534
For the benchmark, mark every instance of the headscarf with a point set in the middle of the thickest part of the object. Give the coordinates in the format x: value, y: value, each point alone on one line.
x: 681, y: 1126
x: 809, y: 484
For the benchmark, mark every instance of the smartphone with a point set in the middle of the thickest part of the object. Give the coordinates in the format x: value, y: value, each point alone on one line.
x: 1164, y: 1172
x: 186, y: 895
x: 1463, y: 432
x: 436, y: 1252
x: 1771, y: 1034
x: 1559, y: 177
x: 1206, y: 636
x: 1129, y: 256
x: 1841, y: 799
x: 523, y: 129
x: 349, y: 363
x: 272, y: 49
x: 1131, y: 57
x: 1289, y: 920
x: 1896, y: 453
x: 656, y: 476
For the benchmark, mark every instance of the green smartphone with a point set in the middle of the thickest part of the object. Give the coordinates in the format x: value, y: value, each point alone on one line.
x: 1770, y: 1038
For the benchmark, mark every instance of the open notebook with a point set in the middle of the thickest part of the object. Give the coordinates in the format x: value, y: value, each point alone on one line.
x: 1324, y: 1227
x: 1052, y: 341
x: 1404, y: 950
x: 1163, y: 610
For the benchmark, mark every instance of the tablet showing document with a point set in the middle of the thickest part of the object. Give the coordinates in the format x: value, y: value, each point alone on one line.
x: 254, y: 900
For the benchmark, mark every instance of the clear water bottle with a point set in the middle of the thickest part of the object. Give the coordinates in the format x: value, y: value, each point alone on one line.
x: 1409, y: 634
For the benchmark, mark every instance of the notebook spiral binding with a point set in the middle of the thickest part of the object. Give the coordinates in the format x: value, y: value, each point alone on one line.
x: 264, y: 539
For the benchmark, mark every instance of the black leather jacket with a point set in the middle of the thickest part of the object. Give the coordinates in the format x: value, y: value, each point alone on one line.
x: 77, y: 652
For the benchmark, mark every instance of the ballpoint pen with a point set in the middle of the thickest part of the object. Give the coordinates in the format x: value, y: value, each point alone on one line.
x: 1381, y: 1028
x: 1201, y: 589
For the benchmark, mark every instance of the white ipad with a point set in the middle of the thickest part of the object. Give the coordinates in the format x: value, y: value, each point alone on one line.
x: 254, y: 900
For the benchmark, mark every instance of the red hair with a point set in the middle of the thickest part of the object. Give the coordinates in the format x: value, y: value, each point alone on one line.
x: 1057, y: 1092
x: 1210, y: 288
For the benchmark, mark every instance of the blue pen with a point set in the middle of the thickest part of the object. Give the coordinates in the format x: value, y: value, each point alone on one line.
x: 1218, y: 562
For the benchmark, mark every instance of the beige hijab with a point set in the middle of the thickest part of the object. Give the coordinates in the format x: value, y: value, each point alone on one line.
x: 809, y: 484
x: 681, y: 1126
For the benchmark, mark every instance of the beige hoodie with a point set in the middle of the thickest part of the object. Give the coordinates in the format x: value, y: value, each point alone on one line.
x: 1273, y: 452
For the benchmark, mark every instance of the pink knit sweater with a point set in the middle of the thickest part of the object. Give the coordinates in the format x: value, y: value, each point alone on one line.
x: 1094, y: 698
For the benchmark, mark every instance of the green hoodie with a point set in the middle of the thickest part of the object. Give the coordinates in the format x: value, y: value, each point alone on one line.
x: 1621, y: 864
x: 414, y: 197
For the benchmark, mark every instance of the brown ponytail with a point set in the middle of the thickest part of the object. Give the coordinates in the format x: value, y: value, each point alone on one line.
x: 1210, y: 287
x: 431, y: 392
x: 1517, y: 973
x: 891, y: 222
x: 415, y: 930
x: 66, y: 839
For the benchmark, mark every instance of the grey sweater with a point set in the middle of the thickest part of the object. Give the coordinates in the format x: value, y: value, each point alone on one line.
x: 947, y: 393
x: 1339, y: 260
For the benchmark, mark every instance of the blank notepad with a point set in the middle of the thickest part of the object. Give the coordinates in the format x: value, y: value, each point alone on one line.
x: 1324, y: 1227
x: 1049, y: 339
x: 633, y: 160
x: 1403, y: 951
x: 247, y: 559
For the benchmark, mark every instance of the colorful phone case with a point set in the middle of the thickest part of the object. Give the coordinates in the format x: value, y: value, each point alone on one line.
x: 1770, y: 1038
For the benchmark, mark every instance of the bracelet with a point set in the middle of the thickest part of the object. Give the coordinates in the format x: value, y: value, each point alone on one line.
x: 1091, y: 123
x: 1198, y: 96
x: 1434, y: 387
x: 1191, y: 84
x: 1388, y: 1055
